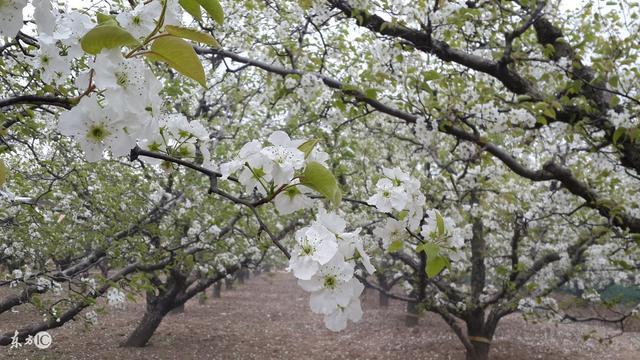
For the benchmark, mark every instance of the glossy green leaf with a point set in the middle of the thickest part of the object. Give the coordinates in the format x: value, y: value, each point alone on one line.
x: 320, y: 179
x: 180, y: 55
x: 435, y: 265
x: 435, y: 261
x: 108, y: 35
x: 192, y: 7
x: 214, y: 9
x: 193, y: 35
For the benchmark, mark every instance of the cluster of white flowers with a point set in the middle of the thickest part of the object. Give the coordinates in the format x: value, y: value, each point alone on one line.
x: 323, y: 261
x: 91, y: 317
x: 116, y: 298
x: 401, y: 192
x: 120, y: 103
x: 272, y: 169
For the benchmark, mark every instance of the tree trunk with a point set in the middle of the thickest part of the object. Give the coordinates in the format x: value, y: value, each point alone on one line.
x: 411, y: 317
x: 217, y: 288
x: 241, y: 276
x: 145, y: 329
x: 480, y: 350
x: 157, y: 307
x: 177, y: 310
x: 480, y: 333
x: 228, y: 284
x: 383, y: 299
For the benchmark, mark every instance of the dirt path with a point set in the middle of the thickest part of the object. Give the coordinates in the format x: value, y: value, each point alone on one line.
x: 268, y: 318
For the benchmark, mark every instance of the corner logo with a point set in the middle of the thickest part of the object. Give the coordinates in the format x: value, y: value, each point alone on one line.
x: 42, y: 340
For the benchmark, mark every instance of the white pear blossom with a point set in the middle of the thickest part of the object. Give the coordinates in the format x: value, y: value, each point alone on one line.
x: 44, y: 17
x: 330, y: 286
x: 392, y: 231
x: 11, y: 17
x: 70, y: 28
x: 123, y: 78
x: 96, y: 129
x: 337, y: 319
x: 181, y: 128
x: 140, y: 21
x: 285, y: 155
x: 388, y: 196
x: 315, y: 246
x: 291, y: 200
x: 52, y: 64
x: 256, y: 167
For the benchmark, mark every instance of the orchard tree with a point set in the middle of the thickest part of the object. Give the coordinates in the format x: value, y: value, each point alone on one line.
x: 487, y: 152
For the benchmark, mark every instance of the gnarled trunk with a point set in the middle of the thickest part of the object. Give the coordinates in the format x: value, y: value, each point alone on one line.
x: 145, y: 329
x: 480, y: 351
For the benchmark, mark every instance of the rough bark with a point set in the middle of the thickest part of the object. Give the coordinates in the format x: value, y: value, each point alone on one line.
x: 179, y: 309
x: 145, y: 329
x: 383, y: 299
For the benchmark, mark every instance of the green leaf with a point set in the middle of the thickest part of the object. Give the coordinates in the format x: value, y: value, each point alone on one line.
x: 193, y: 35
x: 395, y: 246
x: 371, y: 94
x: 430, y: 75
x: 192, y: 7
x: 103, y: 18
x: 440, y: 223
x: 3, y: 173
x: 618, y: 134
x: 305, y: 4
x: 435, y: 265
x: 431, y: 249
x: 214, y: 9
x: 180, y: 55
x: 549, y: 112
x: 435, y: 262
x: 320, y: 179
x: 108, y: 35
x: 307, y: 146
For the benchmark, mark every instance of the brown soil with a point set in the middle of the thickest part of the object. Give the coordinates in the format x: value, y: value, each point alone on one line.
x: 268, y: 318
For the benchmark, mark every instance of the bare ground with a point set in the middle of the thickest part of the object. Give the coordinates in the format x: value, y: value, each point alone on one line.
x: 268, y: 318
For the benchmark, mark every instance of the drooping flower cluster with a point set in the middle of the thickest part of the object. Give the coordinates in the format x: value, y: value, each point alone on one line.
x: 323, y: 261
